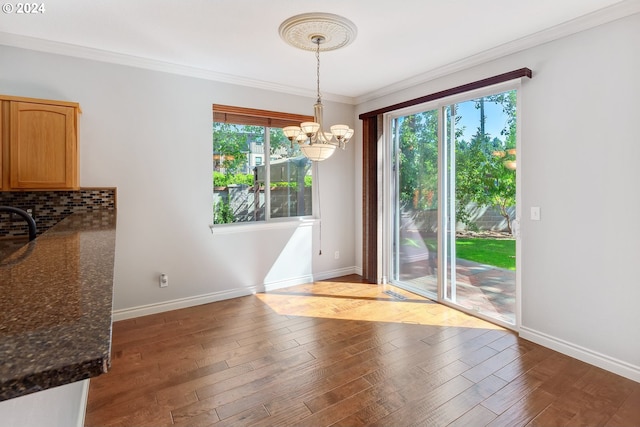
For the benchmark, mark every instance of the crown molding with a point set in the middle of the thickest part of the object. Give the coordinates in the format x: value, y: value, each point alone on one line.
x: 585, y: 22
x: 600, y: 17
x: 66, y: 49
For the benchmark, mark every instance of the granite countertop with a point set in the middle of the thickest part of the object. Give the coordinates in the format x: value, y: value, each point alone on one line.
x: 55, y: 305
x: 9, y: 246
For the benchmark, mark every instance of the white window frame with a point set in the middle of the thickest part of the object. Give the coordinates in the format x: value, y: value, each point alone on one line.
x: 269, y: 222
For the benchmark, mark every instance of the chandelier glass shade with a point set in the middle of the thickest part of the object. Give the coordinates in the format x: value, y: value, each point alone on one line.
x: 312, y: 137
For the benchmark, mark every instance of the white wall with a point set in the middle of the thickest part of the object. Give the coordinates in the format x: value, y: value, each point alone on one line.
x: 578, y: 160
x: 54, y: 407
x: 149, y: 134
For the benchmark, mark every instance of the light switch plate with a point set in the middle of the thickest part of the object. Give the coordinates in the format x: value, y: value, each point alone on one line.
x: 535, y: 213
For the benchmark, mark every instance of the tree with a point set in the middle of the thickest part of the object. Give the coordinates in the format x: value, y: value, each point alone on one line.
x: 231, y: 145
x: 470, y: 163
x: 502, y: 191
x: 481, y: 173
x: 278, y: 142
x: 223, y: 213
x: 418, y: 143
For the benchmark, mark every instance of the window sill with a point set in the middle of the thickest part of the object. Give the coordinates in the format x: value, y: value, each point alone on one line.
x: 218, y: 229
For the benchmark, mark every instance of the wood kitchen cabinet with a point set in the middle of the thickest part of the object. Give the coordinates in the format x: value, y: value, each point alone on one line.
x: 39, y: 144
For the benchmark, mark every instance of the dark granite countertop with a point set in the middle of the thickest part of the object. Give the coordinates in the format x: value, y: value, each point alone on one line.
x: 10, y: 245
x: 55, y: 305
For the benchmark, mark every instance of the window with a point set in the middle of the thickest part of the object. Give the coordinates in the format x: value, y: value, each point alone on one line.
x: 258, y: 175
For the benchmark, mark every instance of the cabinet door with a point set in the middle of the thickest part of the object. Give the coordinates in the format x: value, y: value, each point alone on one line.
x: 42, y: 148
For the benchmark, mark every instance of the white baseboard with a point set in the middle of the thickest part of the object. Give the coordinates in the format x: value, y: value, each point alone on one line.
x: 272, y: 286
x: 144, y: 310
x: 335, y: 273
x: 584, y: 354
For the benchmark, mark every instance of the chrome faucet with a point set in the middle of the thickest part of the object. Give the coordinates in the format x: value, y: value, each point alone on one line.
x: 30, y: 221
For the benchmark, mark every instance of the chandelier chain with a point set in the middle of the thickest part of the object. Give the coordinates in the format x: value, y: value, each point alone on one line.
x: 318, y: 68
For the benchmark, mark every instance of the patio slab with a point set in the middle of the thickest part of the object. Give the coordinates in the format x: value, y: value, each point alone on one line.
x: 482, y: 288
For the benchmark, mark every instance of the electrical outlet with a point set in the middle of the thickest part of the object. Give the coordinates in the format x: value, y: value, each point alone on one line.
x: 164, y: 280
x: 31, y: 211
x: 336, y: 255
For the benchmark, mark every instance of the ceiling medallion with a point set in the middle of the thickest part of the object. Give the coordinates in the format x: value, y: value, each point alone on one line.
x: 301, y: 31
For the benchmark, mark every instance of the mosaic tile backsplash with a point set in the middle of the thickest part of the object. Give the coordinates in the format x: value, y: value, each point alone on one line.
x: 50, y: 207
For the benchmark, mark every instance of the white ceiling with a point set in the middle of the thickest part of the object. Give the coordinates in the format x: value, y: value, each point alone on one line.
x: 237, y: 40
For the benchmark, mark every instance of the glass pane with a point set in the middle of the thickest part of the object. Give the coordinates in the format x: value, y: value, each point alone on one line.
x: 290, y: 178
x: 415, y: 245
x: 482, y: 174
x: 237, y: 152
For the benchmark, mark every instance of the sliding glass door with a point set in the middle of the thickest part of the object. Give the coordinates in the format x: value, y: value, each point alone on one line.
x: 415, y: 199
x: 453, y: 192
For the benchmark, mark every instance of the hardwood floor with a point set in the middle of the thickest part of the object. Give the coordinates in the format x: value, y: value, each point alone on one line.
x: 344, y: 353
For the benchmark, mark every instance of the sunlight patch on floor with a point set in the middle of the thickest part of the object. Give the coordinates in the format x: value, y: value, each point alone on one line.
x: 360, y: 301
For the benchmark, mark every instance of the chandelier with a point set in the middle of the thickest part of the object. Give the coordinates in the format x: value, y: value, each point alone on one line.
x: 310, y: 31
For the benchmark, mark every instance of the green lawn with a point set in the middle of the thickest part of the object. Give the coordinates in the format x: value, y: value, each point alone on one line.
x: 497, y: 252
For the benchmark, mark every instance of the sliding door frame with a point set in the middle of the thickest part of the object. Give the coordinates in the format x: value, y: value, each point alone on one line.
x: 371, y: 132
x: 387, y: 216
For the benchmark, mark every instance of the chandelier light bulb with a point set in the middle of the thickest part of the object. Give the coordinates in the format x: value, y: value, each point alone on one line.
x: 324, y: 137
x: 291, y: 132
x: 339, y: 131
x: 310, y: 128
x: 348, y: 135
